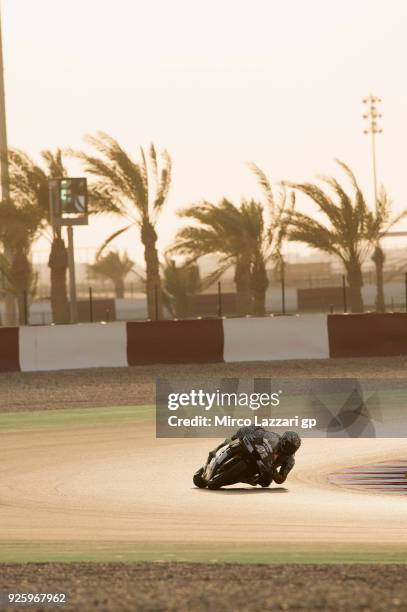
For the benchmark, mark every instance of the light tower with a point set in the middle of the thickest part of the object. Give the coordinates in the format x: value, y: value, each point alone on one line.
x: 372, y: 117
x: 5, y: 181
x: 4, y: 177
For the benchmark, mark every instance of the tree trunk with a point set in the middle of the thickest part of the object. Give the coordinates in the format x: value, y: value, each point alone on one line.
x: 259, y: 284
x: 21, y: 274
x: 355, y: 281
x: 181, y: 305
x: 119, y: 287
x: 153, y: 281
x: 58, y: 264
x: 243, y: 294
x: 10, y: 314
x: 378, y: 258
x: 10, y: 310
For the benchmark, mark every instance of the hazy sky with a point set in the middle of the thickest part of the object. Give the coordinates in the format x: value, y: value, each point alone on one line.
x: 217, y: 83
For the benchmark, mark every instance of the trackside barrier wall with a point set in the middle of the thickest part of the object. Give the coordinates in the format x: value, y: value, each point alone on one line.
x: 270, y: 338
x: 9, y: 349
x: 368, y: 335
x: 202, y: 341
x: 191, y: 341
x: 72, y: 346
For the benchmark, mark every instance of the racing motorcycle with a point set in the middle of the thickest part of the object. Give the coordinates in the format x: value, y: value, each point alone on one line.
x: 237, y: 461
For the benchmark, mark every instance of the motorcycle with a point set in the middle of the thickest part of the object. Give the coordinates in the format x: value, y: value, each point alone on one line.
x: 237, y: 461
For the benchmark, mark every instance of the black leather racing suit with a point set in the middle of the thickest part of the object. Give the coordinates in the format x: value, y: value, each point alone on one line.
x: 277, y: 468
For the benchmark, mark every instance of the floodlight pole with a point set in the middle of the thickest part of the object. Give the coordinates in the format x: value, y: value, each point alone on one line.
x: 372, y: 116
x: 5, y: 178
x: 72, y: 282
x: 374, y: 165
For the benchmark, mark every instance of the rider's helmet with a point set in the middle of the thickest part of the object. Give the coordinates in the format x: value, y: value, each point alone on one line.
x: 289, y: 443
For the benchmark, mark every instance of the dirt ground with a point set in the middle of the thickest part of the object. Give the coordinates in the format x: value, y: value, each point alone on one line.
x: 190, y: 587
x: 135, y: 386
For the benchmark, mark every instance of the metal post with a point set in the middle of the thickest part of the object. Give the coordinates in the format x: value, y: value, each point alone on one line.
x: 25, y: 308
x: 72, y: 282
x: 345, y: 304
x: 10, y: 303
x: 5, y: 179
x: 90, y: 305
x: 219, y: 299
x: 283, y: 286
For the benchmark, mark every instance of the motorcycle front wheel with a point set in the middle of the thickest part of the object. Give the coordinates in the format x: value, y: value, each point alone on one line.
x: 198, y: 480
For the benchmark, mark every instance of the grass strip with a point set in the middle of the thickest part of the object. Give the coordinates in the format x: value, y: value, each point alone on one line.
x: 75, y: 417
x: 195, y: 552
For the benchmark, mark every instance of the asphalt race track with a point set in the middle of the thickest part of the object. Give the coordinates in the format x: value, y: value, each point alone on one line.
x: 118, y: 483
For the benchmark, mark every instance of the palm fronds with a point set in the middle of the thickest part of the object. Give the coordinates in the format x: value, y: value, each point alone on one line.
x: 125, y: 182
x: 111, y: 238
x: 264, y: 184
x: 351, y: 229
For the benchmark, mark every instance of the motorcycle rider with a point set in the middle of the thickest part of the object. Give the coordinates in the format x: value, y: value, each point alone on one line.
x: 276, y: 452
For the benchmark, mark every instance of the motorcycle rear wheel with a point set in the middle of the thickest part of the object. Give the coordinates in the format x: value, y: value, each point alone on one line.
x: 229, y: 476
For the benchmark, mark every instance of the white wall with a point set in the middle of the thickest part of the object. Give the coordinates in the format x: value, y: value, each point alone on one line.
x: 86, y: 345
x: 271, y: 338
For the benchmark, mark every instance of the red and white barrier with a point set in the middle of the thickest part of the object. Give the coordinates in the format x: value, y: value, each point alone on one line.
x: 92, y: 345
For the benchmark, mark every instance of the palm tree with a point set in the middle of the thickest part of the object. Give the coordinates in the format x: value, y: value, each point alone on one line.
x: 270, y: 236
x: 137, y: 191
x: 257, y: 236
x: 114, y: 267
x: 380, y: 225
x: 29, y: 183
x: 351, y: 229
x: 19, y: 226
x: 180, y: 283
x: 222, y: 229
